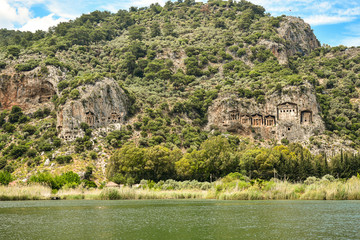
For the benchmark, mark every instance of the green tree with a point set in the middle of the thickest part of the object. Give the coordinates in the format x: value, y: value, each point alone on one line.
x: 13, y: 50
x: 168, y: 29
x: 5, y: 178
x: 155, y: 29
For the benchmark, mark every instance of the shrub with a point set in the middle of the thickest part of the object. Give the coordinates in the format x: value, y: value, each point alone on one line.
x: 8, y: 127
x: 110, y: 194
x: 89, y: 184
x: 5, y: 178
x: 53, y: 62
x: 31, y: 153
x: 44, y: 178
x: 13, y: 50
x: 328, y: 177
x: 93, y: 155
x: 29, y: 129
x: 69, y: 179
x: 311, y: 180
x: 284, y: 141
x: 18, y: 151
x: 3, y: 163
x: 2, y: 65
x: 63, y: 159
x: 27, y: 66
x: 74, y: 94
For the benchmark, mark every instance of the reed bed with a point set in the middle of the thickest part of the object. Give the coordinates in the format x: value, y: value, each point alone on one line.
x: 318, y: 189
x: 131, y: 193
x: 27, y: 192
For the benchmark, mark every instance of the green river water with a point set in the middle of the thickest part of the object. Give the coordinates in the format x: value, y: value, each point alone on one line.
x: 180, y: 219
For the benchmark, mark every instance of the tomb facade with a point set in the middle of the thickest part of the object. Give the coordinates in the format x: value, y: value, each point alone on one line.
x: 306, y: 117
x: 269, y: 121
x: 257, y: 120
x: 287, y: 111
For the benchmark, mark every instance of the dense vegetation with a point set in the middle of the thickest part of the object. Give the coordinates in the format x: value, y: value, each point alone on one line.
x: 173, y: 61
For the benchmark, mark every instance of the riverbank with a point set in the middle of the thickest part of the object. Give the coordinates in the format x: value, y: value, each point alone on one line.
x: 225, y: 189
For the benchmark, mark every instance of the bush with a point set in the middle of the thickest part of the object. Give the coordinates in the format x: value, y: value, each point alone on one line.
x: 74, y: 94
x: 27, y: 66
x: 31, y: 153
x: 284, y: 141
x: 69, y: 179
x: 110, y: 194
x: 8, y: 127
x: 328, y: 177
x: 93, y: 155
x: 29, y: 129
x: 13, y: 50
x: 18, y: 151
x: 5, y: 178
x: 311, y: 180
x: 63, y: 159
x: 44, y: 178
x: 2, y: 65
x: 89, y: 184
x: 3, y: 163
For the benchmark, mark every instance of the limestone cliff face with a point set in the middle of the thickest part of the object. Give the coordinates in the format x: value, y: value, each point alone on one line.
x: 103, y: 105
x: 29, y: 90
x: 298, y: 37
x: 292, y: 114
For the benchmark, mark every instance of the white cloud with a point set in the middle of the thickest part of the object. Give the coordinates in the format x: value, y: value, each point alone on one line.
x: 42, y: 23
x: 315, y: 12
x: 316, y: 20
x: 11, y: 16
x: 115, y: 6
x: 351, y: 41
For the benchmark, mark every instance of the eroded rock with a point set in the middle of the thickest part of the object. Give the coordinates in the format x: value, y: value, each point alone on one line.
x: 103, y: 106
x: 298, y: 38
x: 292, y: 114
x: 29, y: 90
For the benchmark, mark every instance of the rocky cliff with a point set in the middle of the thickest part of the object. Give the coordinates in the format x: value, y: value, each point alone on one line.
x: 297, y: 36
x: 103, y: 105
x: 29, y: 90
x: 291, y: 114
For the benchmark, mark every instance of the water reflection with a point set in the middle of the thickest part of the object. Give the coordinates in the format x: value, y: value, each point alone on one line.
x: 180, y: 219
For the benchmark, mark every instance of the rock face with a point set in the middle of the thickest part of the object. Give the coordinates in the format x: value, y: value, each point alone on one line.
x: 292, y: 114
x: 298, y: 37
x: 29, y: 90
x: 102, y: 105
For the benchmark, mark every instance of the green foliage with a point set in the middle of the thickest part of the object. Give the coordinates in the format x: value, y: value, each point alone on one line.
x: 74, y: 94
x: 18, y: 151
x: 27, y: 66
x: 5, y: 178
x: 68, y: 179
x: 155, y: 29
x: 134, y: 163
x: 13, y: 50
x: 2, y: 65
x: 9, y: 128
x: 63, y: 159
x: 29, y: 129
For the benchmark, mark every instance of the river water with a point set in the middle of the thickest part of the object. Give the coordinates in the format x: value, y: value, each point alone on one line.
x: 180, y: 219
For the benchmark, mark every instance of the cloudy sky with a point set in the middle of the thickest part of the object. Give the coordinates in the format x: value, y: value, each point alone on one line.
x: 334, y: 22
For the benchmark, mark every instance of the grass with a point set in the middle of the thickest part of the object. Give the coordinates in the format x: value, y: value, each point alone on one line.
x: 29, y: 192
x: 321, y: 189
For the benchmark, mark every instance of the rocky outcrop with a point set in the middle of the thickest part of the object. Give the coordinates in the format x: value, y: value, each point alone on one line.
x: 103, y: 105
x: 29, y: 90
x: 297, y: 36
x: 292, y: 114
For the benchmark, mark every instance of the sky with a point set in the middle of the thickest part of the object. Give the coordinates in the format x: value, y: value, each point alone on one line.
x: 335, y: 22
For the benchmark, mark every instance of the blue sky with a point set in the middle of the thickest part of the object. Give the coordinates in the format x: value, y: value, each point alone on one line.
x: 334, y: 22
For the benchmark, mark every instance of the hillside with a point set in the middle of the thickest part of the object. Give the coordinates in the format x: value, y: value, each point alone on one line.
x: 185, y: 91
